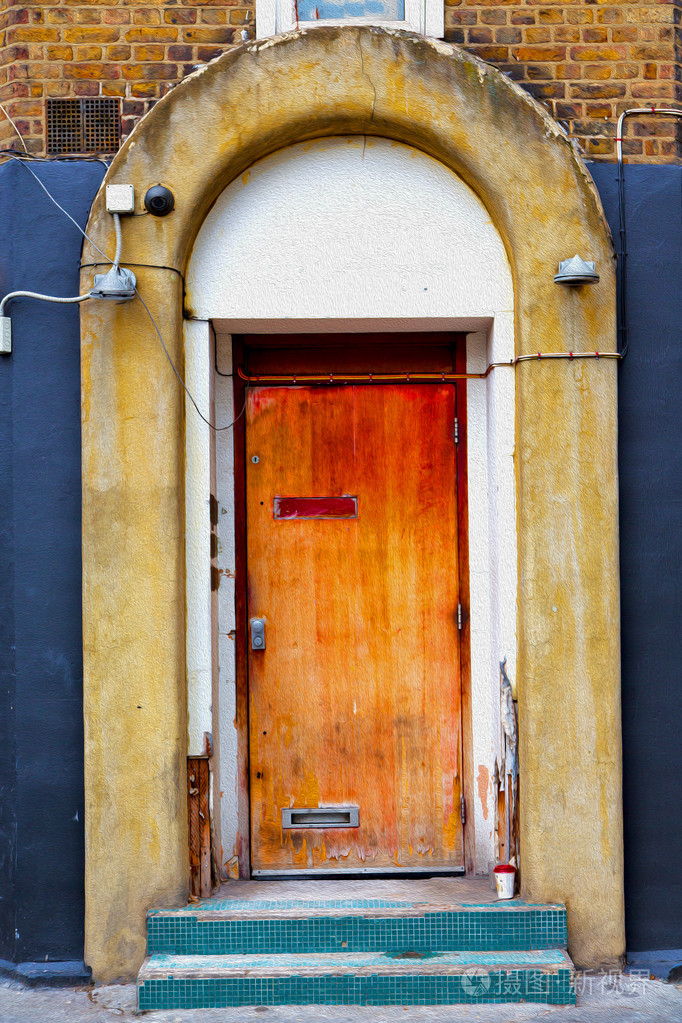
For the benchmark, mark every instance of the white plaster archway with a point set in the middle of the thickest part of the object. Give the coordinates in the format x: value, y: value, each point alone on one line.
x: 359, y: 235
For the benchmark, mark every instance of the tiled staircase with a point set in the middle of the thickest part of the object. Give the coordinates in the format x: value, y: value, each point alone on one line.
x: 226, y: 952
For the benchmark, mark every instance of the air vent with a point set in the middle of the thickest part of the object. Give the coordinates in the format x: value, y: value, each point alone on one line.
x: 83, y: 125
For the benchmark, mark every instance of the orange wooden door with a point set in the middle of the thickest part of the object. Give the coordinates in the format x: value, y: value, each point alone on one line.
x: 355, y: 701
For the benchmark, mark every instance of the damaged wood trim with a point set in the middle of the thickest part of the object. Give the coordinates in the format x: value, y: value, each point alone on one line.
x: 199, y: 820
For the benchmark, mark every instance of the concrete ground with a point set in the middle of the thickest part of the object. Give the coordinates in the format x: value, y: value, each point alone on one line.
x: 624, y: 998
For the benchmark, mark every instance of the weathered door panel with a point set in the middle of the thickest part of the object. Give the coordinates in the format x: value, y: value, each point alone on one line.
x: 355, y: 700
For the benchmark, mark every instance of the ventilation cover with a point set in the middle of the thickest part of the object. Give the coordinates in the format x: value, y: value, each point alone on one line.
x: 83, y: 125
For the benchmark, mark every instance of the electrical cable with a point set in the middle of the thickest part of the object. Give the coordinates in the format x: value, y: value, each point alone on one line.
x: 43, y: 298
x: 326, y: 379
x: 215, y: 360
x: 216, y: 429
x: 415, y: 378
x: 227, y: 376
x: 36, y: 294
x: 145, y: 266
x: 119, y: 240
x: 115, y: 263
x: 54, y: 159
x: 19, y: 135
x: 52, y: 199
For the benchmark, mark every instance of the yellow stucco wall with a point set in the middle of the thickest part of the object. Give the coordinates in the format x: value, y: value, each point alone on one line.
x: 249, y: 103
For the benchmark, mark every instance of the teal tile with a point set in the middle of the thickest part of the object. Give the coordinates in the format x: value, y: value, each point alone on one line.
x: 450, y: 930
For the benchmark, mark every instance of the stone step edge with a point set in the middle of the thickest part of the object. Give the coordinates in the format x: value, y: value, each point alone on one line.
x: 162, y: 966
x: 415, y: 910
x: 174, y: 988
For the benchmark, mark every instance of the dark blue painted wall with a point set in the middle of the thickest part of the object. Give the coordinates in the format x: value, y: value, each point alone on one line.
x: 650, y: 467
x: 41, y: 759
x: 41, y: 720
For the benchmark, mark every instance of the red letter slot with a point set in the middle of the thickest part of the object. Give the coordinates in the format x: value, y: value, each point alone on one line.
x: 315, y: 508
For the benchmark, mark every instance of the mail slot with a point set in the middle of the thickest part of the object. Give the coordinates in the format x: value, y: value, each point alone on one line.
x: 322, y: 817
x: 345, y: 507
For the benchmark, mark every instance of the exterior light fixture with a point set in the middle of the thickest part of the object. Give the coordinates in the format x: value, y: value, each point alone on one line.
x: 576, y: 271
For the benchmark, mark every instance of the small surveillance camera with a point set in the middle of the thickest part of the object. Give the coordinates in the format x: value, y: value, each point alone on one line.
x: 159, y: 201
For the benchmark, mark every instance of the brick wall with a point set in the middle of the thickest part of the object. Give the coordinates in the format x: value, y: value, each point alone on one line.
x: 586, y: 60
x: 120, y: 48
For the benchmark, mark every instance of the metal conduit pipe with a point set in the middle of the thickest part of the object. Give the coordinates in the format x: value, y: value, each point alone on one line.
x: 43, y: 298
x: 414, y: 378
x: 622, y: 255
x: 119, y: 241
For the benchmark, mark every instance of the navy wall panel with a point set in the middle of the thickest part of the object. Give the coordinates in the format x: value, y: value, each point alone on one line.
x: 41, y: 771
x: 650, y: 469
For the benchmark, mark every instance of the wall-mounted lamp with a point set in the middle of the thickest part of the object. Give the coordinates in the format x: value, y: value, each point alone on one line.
x: 576, y: 271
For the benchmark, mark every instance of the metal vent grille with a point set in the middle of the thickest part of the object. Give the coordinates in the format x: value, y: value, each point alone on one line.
x: 83, y: 125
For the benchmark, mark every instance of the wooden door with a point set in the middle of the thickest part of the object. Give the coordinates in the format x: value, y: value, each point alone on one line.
x: 355, y: 700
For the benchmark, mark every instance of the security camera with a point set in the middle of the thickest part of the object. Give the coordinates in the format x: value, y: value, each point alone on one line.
x: 159, y: 201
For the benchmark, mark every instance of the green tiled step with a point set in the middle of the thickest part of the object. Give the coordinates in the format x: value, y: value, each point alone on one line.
x: 439, y: 978
x: 225, y: 927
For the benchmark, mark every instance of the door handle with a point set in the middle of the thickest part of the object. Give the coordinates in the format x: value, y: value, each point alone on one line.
x: 258, y: 634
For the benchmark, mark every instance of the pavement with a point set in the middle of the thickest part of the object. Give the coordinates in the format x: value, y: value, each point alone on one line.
x: 617, y: 998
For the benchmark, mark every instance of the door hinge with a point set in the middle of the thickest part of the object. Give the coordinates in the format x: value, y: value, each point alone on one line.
x: 463, y: 810
x: 459, y: 617
x: 456, y: 430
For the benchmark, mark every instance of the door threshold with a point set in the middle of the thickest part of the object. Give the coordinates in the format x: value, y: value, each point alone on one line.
x: 354, y: 875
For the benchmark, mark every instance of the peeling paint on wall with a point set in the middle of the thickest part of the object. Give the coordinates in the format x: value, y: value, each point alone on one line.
x: 483, y: 785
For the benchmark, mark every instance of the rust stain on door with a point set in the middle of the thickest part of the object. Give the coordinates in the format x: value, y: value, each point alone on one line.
x: 355, y: 699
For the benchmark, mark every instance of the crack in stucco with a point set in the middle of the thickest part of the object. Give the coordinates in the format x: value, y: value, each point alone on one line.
x: 366, y: 75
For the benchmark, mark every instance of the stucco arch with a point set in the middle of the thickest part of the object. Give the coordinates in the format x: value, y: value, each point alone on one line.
x: 211, y: 128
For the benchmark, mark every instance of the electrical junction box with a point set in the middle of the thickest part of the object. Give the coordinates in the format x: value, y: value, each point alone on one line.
x: 120, y: 199
x: 5, y: 335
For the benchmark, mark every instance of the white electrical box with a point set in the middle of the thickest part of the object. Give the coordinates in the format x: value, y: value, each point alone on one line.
x: 5, y: 335
x: 120, y: 199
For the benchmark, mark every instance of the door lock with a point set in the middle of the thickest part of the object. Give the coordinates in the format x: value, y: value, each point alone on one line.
x: 258, y: 634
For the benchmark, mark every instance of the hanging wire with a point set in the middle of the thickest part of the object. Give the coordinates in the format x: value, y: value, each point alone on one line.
x: 307, y: 378
x: 216, y: 429
x: 19, y: 135
x: 54, y: 159
x: 114, y: 262
x: 21, y: 160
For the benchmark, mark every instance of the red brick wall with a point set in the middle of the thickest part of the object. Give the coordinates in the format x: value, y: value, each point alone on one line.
x: 135, y: 51
x: 586, y: 61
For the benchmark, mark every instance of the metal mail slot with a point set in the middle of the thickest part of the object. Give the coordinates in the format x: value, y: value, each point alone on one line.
x: 322, y: 817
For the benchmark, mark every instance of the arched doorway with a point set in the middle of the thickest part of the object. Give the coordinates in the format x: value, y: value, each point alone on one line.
x: 214, y: 127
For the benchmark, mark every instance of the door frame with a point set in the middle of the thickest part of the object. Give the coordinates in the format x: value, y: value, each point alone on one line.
x: 241, y: 609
